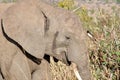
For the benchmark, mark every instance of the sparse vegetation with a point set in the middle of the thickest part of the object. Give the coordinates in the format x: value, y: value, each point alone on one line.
x: 5, y: 1
x: 61, y: 71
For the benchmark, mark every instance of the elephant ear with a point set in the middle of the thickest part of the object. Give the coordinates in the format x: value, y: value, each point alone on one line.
x: 25, y: 24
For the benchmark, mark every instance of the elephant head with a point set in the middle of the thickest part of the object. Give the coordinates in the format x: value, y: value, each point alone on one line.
x: 69, y: 45
x: 67, y: 38
x: 40, y: 29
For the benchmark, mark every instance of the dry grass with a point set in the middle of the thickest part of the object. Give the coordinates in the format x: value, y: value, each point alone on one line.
x: 61, y: 71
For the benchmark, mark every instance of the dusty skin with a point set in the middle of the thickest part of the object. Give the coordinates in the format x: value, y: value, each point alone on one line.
x: 40, y: 28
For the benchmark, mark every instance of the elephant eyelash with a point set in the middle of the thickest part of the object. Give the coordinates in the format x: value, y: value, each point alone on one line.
x: 67, y: 37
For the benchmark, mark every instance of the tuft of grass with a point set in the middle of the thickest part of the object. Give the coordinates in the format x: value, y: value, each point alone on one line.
x: 66, y: 4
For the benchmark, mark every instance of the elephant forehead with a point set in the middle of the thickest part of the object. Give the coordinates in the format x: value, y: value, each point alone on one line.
x: 71, y: 24
x: 26, y: 27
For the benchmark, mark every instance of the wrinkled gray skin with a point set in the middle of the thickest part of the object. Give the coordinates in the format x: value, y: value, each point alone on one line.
x: 40, y: 28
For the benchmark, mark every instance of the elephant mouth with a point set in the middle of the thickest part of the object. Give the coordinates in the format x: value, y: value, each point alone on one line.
x: 27, y: 54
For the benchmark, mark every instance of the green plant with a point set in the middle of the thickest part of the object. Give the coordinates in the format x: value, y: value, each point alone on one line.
x: 118, y: 1
x: 5, y: 1
x: 67, y: 4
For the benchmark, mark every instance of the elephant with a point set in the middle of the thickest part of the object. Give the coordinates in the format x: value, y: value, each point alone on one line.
x: 32, y: 29
x: 11, y: 59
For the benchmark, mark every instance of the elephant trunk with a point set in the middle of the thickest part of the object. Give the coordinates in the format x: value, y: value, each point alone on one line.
x: 77, y: 53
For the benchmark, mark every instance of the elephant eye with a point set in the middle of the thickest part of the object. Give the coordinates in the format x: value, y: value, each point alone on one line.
x: 67, y: 37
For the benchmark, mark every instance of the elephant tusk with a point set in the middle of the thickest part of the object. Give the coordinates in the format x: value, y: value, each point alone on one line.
x: 77, y: 74
x: 76, y: 71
